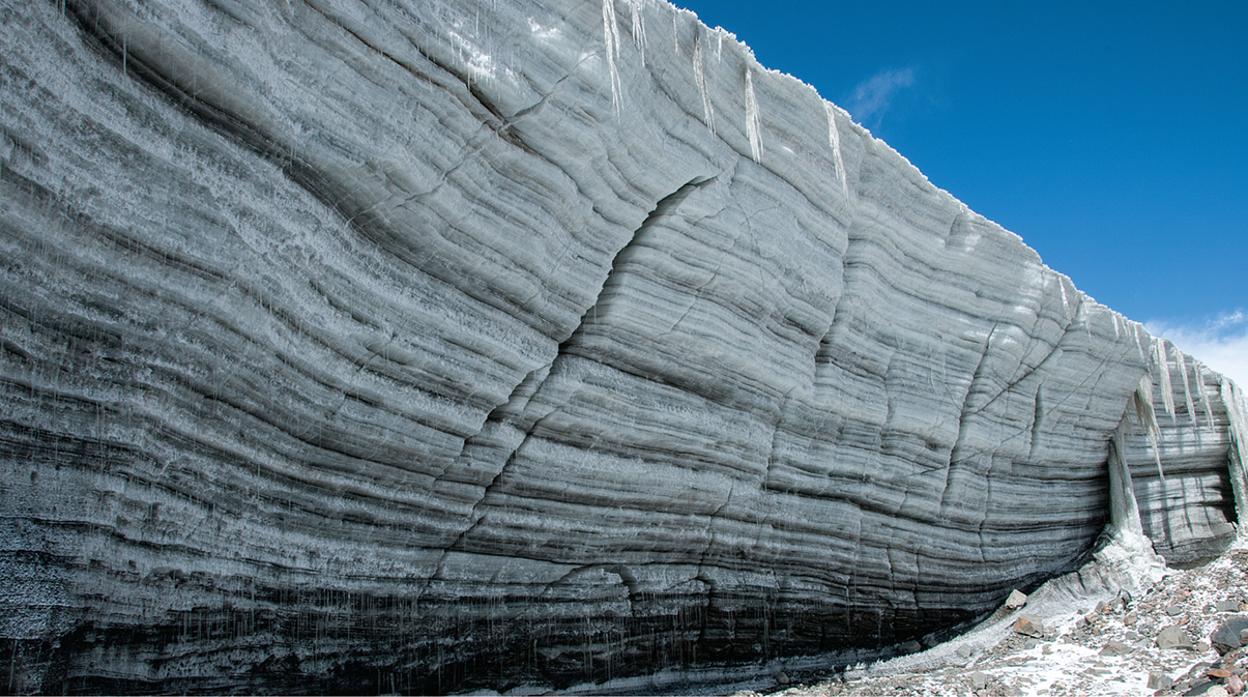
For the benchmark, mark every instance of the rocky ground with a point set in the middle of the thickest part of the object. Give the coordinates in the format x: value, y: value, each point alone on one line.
x: 1181, y: 637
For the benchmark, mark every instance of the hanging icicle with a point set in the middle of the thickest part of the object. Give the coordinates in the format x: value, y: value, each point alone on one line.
x: 753, y: 123
x: 1137, y: 330
x: 1204, y: 395
x: 1167, y: 389
x: 1124, y: 512
x: 639, y: 27
x: 1147, y: 415
x: 1187, y: 389
x: 834, y: 139
x: 699, y: 79
x: 675, y: 32
x: 611, y: 41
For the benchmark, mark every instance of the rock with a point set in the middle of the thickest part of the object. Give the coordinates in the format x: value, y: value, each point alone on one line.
x: 459, y: 335
x: 910, y: 647
x: 1234, y: 685
x: 1218, y: 673
x: 1174, y: 610
x: 1230, y: 634
x: 1207, y: 688
x: 1130, y: 618
x: 1174, y: 638
x: 1016, y: 600
x: 782, y: 678
x: 979, y: 680
x: 965, y: 651
x: 1115, y: 648
x: 1226, y: 605
x: 1159, y: 681
x: 1029, y: 626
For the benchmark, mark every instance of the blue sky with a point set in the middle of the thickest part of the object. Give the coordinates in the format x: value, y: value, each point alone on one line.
x: 1112, y: 136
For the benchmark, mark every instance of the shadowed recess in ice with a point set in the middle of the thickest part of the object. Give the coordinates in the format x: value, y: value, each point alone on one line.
x: 431, y: 345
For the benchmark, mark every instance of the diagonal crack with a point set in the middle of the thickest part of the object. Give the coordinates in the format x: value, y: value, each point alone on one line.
x: 512, y: 411
x: 960, y: 440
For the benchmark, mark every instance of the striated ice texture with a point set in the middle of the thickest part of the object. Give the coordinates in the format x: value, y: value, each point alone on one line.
x: 432, y: 345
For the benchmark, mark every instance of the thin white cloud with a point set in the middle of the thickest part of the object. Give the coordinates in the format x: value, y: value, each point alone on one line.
x: 1220, y: 343
x: 871, y: 98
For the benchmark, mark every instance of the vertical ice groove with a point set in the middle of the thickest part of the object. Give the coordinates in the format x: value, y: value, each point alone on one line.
x: 1167, y: 388
x: 1187, y: 387
x: 1204, y: 395
x: 834, y: 139
x: 611, y: 41
x: 699, y: 78
x: 719, y: 45
x: 753, y: 123
x: 1117, y: 327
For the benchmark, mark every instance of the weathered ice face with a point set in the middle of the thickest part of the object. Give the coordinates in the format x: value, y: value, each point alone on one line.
x: 434, y: 345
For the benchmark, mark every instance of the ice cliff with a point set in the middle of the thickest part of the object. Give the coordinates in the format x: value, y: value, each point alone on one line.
x: 433, y: 345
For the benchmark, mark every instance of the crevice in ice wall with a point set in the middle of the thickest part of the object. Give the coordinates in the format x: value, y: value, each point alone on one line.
x: 1237, y: 455
x: 518, y: 412
x: 514, y: 409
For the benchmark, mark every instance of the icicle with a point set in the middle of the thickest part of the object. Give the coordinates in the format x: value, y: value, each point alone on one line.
x: 1167, y: 387
x: 1065, y: 300
x: 639, y: 27
x: 675, y: 33
x: 719, y: 45
x: 699, y: 78
x: 1117, y: 328
x: 1144, y: 411
x: 1204, y: 395
x: 1124, y: 512
x: 1136, y: 329
x: 753, y: 124
x: 834, y: 139
x: 611, y: 39
x: 1187, y: 388
x: 1238, y: 456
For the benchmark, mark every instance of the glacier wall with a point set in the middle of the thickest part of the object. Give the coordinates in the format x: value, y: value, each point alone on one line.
x: 430, y: 345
